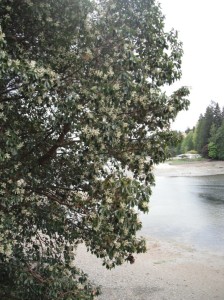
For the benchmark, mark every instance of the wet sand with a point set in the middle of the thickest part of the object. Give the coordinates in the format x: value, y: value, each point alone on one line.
x: 169, y: 270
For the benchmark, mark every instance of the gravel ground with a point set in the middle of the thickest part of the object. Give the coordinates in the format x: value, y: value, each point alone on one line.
x: 167, y: 271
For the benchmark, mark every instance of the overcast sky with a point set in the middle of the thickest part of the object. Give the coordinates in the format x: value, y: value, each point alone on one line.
x: 200, y: 24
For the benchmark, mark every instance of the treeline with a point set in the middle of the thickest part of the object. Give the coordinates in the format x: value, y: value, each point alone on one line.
x: 207, y: 137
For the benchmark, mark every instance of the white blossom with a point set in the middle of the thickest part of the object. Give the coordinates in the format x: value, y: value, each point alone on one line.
x: 32, y: 63
x: 116, y: 86
x: 39, y: 100
x: 20, y: 145
x: 144, y: 204
x: 20, y: 182
x: 7, y: 155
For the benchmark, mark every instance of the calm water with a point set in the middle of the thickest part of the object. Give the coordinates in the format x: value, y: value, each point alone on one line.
x: 189, y: 210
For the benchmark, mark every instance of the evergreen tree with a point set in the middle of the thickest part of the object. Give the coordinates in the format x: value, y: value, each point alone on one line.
x: 198, y: 136
x: 217, y: 116
x: 222, y: 114
x: 208, y: 121
x: 202, y: 134
x: 213, y: 132
x: 220, y: 142
x: 212, y: 150
x: 216, y: 145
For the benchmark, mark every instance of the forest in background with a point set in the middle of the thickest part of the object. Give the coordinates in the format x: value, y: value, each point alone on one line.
x: 207, y: 137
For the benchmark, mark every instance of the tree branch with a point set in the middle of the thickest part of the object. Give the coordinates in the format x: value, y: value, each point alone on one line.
x: 52, y: 151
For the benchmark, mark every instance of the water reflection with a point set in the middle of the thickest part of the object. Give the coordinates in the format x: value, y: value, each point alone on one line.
x: 214, y: 200
x: 188, y: 209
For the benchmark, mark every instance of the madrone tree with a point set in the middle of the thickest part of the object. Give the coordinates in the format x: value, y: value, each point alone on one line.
x: 81, y: 107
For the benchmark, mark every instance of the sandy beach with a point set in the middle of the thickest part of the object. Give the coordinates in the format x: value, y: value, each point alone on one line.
x: 191, y: 168
x: 169, y: 270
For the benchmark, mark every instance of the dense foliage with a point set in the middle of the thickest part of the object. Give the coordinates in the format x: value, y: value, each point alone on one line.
x: 81, y: 107
x: 207, y: 137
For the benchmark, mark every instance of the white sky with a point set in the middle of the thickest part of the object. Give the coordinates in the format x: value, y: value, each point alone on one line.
x: 200, y: 24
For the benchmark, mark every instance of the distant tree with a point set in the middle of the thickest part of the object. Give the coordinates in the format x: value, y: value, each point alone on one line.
x: 187, y: 143
x: 198, y: 135
x: 208, y: 121
x: 187, y: 130
x: 217, y: 115
x: 216, y: 145
x: 212, y: 150
x: 220, y: 142
x: 213, y: 132
x: 175, y: 147
x: 212, y: 147
x: 204, y: 151
x: 222, y: 114
x: 202, y: 133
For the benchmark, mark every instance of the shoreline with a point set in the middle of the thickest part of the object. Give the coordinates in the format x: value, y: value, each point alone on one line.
x: 191, y: 168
